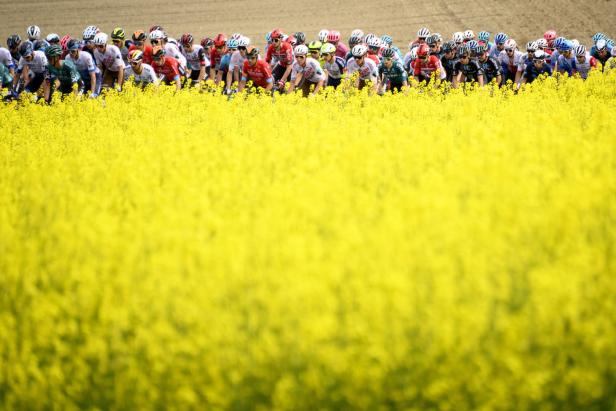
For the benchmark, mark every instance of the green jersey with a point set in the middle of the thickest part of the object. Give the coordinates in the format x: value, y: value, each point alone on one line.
x: 67, y: 74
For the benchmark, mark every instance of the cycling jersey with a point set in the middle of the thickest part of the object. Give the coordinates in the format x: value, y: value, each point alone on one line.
x: 37, y: 65
x: 470, y: 71
x: 491, y: 69
x: 595, y: 53
x: 367, y: 71
x: 84, y: 64
x: 341, y: 50
x: 495, y: 52
x: 374, y: 58
x: 169, y: 70
x: 424, y: 70
x: 237, y: 60
x: 66, y: 74
x: 335, y: 68
x: 6, y: 58
x: 215, y: 58
x: 531, y: 73
x: 147, y: 75
x: 449, y: 67
x: 584, y: 68
x: 282, y: 56
x: 110, y: 59
x: 5, y: 76
x: 172, y: 50
x: 147, y: 53
x: 311, y: 71
x: 510, y: 65
x: 396, y: 74
x: 195, y: 59
x: 224, y: 62
x: 524, y: 62
x: 554, y: 58
x: 124, y: 53
x: 568, y: 65
x: 260, y: 73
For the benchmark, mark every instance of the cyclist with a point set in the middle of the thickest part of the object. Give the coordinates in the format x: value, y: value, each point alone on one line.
x: 449, y: 60
x: 427, y: 65
x: 490, y: 67
x: 166, y: 67
x: 256, y: 70
x: 13, y: 42
x: 141, y: 73
x: 527, y: 58
x: 279, y: 56
x: 584, y: 62
x: 6, y: 79
x: 469, y: 35
x: 60, y: 73
x: 88, y: 39
x: 566, y: 63
x: 195, y: 59
x: 323, y: 34
x: 549, y: 36
x: 334, y: 66
x: 556, y: 51
x: 84, y: 63
x: 31, y: 68
x: 117, y: 39
x: 237, y: 61
x: 307, y: 72
x: 409, y: 60
x: 458, y: 38
x: 611, y: 63
x: 300, y: 38
x: 52, y: 38
x: 354, y: 40
x: 6, y: 59
x: 499, y: 45
x: 225, y: 61
x: 314, y: 48
x: 109, y: 61
x: 392, y: 75
x: 466, y: 70
x: 334, y: 38
x: 536, y: 69
x: 139, y: 37
x: 63, y: 43
x: 510, y: 59
x: 216, y: 54
x: 33, y: 33
x: 422, y: 35
x: 433, y: 43
x: 600, y: 51
x: 484, y: 39
x: 374, y: 46
x: 367, y: 69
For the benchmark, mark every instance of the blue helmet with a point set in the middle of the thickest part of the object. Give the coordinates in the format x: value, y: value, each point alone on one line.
x: 501, y: 38
x: 472, y: 45
x: 232, y: 43
x: 558, y: 41
x: 610, y: 43
x: 268, y: 37
x: 598, y: 36
x: 484, y: 36
x: 566, y: 45
x: 73, y: 44
x: 387, y: 39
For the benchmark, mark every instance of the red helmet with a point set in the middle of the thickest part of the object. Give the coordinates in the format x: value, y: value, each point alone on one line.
x: 333, y: 36
x: 276, y: 34
x: 291, y: 40
x: 64, y: 42
x: 186, y: 39
x: 550, y: 35
x: 220, y: 40
x: 422, y: 50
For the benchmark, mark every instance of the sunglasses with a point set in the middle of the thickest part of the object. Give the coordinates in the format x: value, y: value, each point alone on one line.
x: 138, y: 43
x: 154, y: 41
x: 241, y: 48
x: 134, y: 63
x: 423, y: 57
x: 252, y: 58
x: 300, y: 57
x: 463, y: 57
x: 432, y: 46
x: 116, y: 41
x: 100, y: 46
x: 276, y: 40
x: 326, y: 54
x: 388, y: 58
x: 220, y: 47
x: 509, y: 50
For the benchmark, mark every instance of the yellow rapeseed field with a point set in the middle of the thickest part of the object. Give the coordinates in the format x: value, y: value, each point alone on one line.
x: 423, y: 251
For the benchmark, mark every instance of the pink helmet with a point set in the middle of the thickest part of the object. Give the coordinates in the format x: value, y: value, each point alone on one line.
x: 333, y: 36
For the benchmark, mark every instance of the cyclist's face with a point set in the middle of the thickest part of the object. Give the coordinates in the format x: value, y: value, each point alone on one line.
x: 139, y: 45
x: 359, y: 60
x: 388, y: 62
x: 74, y: 53
x: 117, y: 43
x: 301, y: 60
x: 314, y: 54
x: 538, y: 63
x: 327, y: 56
x: 252, y: 60
x: 581, y: 59
x: 242, y: 51
x: 29, y: 57
x: 500, y: 46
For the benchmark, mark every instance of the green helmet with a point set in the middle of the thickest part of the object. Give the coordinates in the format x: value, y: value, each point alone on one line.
x: 53, y: 51
x: 315, y: 46
x: 328, y: 48
x: 118, y: 34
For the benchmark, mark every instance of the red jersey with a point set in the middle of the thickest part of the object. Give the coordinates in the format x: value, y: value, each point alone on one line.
x: 147, y: 53
x: 374, y: 58
x: 215, y: 58
x: 426, y: 68
x: 260, y: 73
x: 170, y: 69
x: 283, y: 55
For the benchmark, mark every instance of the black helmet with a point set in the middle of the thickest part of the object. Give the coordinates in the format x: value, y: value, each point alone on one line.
x: 449, y: 46
x: 389, y: 53
x: 300, y: 37
x: 26, y: 49
x: 13, y: 41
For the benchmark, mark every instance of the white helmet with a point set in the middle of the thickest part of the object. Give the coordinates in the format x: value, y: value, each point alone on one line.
x: 89, y: 33
x: 357, y: 32
x: 34, y: 32
x: 374, y: 42
x: 100, y: 39
x: 469, y: 35
x: 236, y: 36
x: 575, y: 43
x: 359, y: 50
x: 413, y: 53
x: 542, y: 43
x: 368, y: 36
x: 301, y: 50
x: 52, y: 38
x: 532, y: 46
x: 157, y: 35
x: 243, y: 41
x: 580, y: 50
x: 511, y: 44
x: 458, y: 37
x: 423, y: 32
x: 539, y: 55
x: 323, y: 35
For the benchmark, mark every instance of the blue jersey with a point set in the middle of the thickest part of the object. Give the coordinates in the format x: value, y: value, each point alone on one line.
x: 554, y: 58
x: 566, y: 64
x: 224, y: 62
x: 531, y: 73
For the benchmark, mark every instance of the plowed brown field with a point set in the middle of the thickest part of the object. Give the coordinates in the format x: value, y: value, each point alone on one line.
x: 523, y: 19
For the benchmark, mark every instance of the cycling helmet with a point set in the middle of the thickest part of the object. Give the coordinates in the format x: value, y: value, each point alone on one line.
x: 354, y: 40
x: 484, y: 36
x: 187, y: 39
x: 300, y: 50
x: 598, y: 36
x: 33, y: 32
x: 531, y: 46
x: 511, y: 44
x: 236, y: 36
x: 463, y: 51
x: 268, y: 37
x: 13, y: 41
x: 100, y: 39
x: 232, y: 43
x: 539, y: 55
x: 221, y: 40
x: 118, y: 34
x: 580, y: 50
x: 413, y: 53
x: 300, y: 37
x: 389, y: 53
x: 472, y: 44
x: 358, y: 33
x: 501, y: 38
x: 157, y: 35
x: 565, y: 46
x: 64, y: 42
x: 458, y: 37
x: 156, y: 28
x: 449, y: 46
x: 432, y: 39
x: 158, y: 52
x: 374, y: 42
x: 542, y: 43
x: 550, y: 35
x: 359, y: 50
x: 243, y: 41
x: 557, y: 42
x: 40, y: 45
x: 387, y: 39
x: 207, y: 42
x: 481, y: 49
x: 368, y: 36
x: 53, y: 51
x: 291, y: 40
x: 53, y: 38
x: 610, y: 43
x: 423, y: 33
x: 139, y: 35
x: 90, y: 32
x: 438, y: 36
x: 575, y: 43
x: 135, y: 55
x: 328, y: 48
x: 315, y: 46
x: 423, y: 51
x: 333, y: 36
x: 276, y: 34
x: 73, y: 44
x: 601, y: 44
x: 26, y: 49
x: 469, y: 35
x: 323, y: 34
x: 252, y: 52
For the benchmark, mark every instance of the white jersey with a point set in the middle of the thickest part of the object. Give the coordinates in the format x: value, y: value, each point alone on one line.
x: 147, y: 75
x: 495, y: 52
x: 6, y: 58
x: 517, y: 60
x: 311, y: 71
x: 236, y: 61
x: 172, y: 50
x: 84, y: 63
x: 583, y: 68
x: 195, y: 57
x: 111, y: 59
x: 37, y: 65
x: 367, y: 71
x: 335, y: 68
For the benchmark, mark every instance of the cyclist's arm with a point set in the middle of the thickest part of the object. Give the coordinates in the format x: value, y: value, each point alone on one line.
x: 295, y: 82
